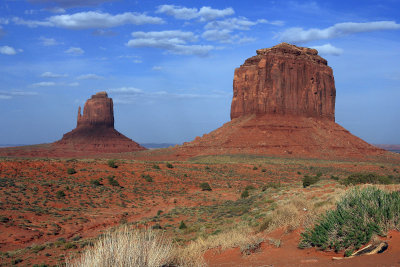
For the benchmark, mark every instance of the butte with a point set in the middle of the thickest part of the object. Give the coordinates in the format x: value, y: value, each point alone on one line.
x: 95, y: 131
x: 283, y: 105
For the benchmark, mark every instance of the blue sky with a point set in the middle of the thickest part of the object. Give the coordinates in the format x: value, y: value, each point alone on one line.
x: 169, y: 65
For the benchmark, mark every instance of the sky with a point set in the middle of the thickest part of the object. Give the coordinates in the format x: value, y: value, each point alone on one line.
x: 168, y: 65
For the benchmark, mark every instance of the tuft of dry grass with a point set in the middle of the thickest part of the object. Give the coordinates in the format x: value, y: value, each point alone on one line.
x: 125, y: 247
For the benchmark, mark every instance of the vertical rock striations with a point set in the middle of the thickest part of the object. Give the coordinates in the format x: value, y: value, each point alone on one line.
x: 95, y: 131
x: 284, y: 80
x: 283, y: 104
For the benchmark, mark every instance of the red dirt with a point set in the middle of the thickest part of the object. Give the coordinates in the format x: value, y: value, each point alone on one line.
x: 289, y: 255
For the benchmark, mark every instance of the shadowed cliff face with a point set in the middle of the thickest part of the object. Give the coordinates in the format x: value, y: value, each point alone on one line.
x: 284, y: 80
x: 98, y: 112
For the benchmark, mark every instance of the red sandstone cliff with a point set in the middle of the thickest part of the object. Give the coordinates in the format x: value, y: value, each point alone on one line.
x: 283, y: 104
x: 284, y: 79
x: 95, y: 129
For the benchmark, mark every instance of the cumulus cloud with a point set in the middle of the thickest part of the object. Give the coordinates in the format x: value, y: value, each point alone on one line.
x: 71, y: 3
x: 90, y: 20
x: 73, y: 84
x: 7, y: 50
x: 299, y: 35
x: 90, y: 76
x: 12, y: 94
x: 44, y: 84
x: 131, y: 90
x: 49, y: 74
x: 171, y: 41
x: 328, y: 49
x: 157, y: 68
x: 205, y: 13
x: 75, y: 50
x: 48, y: 41
x: 221, y: 30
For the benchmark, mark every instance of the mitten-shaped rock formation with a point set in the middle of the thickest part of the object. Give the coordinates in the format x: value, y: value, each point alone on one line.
x: 95, y: 129
x: 283, y: 104
x: 284, y: 79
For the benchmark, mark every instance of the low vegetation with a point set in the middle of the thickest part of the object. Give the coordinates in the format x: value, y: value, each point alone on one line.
x: 369, y: 178
x: 359, y: 215
x: 205, y: 187
x: 112, y: 163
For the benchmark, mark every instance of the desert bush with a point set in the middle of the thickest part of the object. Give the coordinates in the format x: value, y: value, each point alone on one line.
x: 205, y: 187
x: 147, y: 177
x: 71, y: 171
x: 111, y: 163
x: 156, y: 167
x: 244, y: 194
x: 112, y: 181
x: 182, y: 225
x: 127, y: 247
x: 60, y: 194
x: 169, y: 165
x: 309, y: 180
x: 95, y: 182
x: 359, y: 215
x: 367, y: 178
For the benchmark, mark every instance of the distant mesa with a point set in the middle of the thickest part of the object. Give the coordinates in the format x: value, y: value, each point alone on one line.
x: 95, y: 131
x: 283, y: 104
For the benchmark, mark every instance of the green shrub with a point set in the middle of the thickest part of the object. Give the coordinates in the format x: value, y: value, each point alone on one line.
x: 71, y: 171
x: 156, y: 167
x: 205, y: 187
x: 367, y: 178
x: 244, y: 194
x: 4, y: 219
x: 249, y: 187
x: 182, y: 225
x: 95, y: 182
x: 169, y: 165
x: 309, y: 180
x: 112, y: 181
x: 147, y: 177
x: 263, y: 170
x: 359, y: 215
x: 255, y: 168
x: 112, y: 163
x: 60, y: 194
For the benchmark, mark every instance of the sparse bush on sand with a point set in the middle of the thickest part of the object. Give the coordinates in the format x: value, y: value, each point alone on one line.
x: 359, y: 215
x: 71, y: 171
x: 369, y: 178
x: 127, y: 247
x: 309, y: 180
x: 111, y: 163
x: 205, y: 187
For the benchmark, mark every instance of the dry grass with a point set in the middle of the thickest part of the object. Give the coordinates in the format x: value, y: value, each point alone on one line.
x: 125, y: 247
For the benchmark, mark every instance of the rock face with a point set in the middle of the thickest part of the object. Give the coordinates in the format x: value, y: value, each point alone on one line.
x: 284, y: 79
x: 283, y: 105
x: 95, y: 131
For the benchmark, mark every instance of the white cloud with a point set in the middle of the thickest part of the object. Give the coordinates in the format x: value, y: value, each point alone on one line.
x: 157, y: 68
x: 7, y: 50
x: 204, y: 14
x: 171, y: 41
x: 75, y: 50
x: 11, y: 94
x: 240, y: 23
x: 222, y: 30
x: 44, y: 84
x: 131, y: 90
x: 49, y: 74
x: 299, y: 35
x: 90, y: 76
x: 328, y: 49
x: 48, y: 41
x: 73, y: 84
x: 90, y: 20
x: 137, y: 61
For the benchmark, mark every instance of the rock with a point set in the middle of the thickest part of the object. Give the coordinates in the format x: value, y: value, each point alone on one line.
x: 95, y: 131
x: 283, y: 105
x: 284, y: 79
